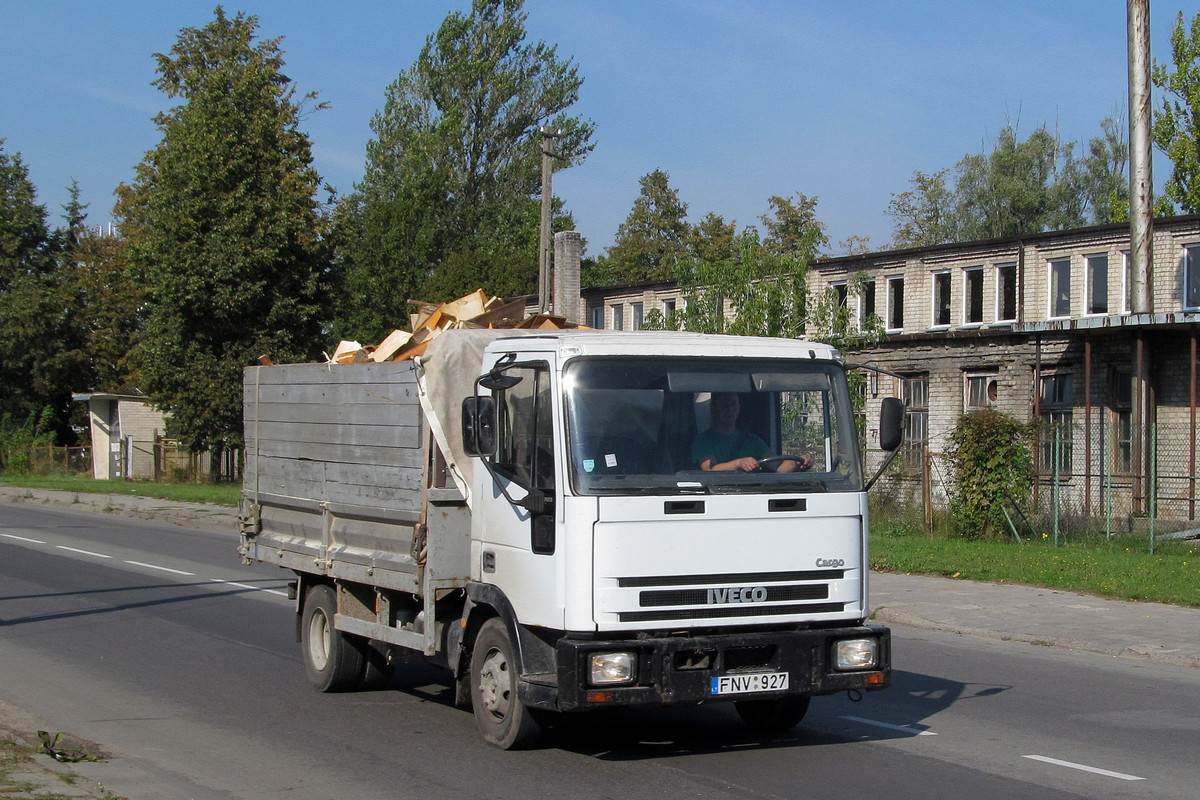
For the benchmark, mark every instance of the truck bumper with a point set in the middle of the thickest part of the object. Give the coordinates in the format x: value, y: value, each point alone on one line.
x: 671, y: 670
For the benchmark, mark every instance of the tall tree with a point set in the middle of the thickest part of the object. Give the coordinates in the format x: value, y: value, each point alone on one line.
x: 713, y: 240
x: 923, y: 215
x: 655, y: 235
x: 29, y: 306
x: 453, y: 172
x: 793, y: 231
x: 1010, y: 191
x: 1176, y: 128
x: 224, y: 229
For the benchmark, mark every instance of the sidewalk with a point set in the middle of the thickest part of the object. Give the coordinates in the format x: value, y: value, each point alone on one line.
x: 1162, y: 633
x: 1050, y: 617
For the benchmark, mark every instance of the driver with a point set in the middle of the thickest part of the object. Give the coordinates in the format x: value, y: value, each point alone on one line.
x: 724, y: 447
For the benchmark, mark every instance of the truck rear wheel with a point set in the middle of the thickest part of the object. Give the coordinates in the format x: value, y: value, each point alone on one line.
x: 333, y: 660
x: 773, y: 716
x: 503, y: 719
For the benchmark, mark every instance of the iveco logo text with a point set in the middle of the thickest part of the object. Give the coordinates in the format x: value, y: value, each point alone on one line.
x: 831, y: 562
x: 738, y: 594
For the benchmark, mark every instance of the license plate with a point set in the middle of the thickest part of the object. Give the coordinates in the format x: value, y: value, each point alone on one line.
x: 750, y: 682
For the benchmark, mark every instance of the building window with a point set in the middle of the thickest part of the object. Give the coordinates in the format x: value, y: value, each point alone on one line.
x: 867, y: 305
x: 1097, y: 283
x: 1060, y: 287
x: 895, y: 299
x: 1006, y: 292
x: 1122, y: 420
x: 973, y: 296
x: 941, y: 299
x: 1126, y: 280
x: 1191, y: 277
x: 981, y: 390
x: 618, y: 316
x: 637, y: 316
x: 1055, y: 398
x: 596, y: 317
x: 915, y: 392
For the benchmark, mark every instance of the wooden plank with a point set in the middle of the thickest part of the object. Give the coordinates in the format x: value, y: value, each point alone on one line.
x: 342, y: 414
x: 379, y: 435
x: 362, y: 454
x: 291, y: 374
x: 399, y: 394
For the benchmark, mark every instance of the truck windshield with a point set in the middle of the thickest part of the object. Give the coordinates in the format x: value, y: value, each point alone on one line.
x: 677, y: 425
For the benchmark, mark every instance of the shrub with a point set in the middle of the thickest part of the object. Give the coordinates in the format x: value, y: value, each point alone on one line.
x: 991, y: 457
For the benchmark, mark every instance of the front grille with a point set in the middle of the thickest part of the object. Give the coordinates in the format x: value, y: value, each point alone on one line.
x: 736, y: 578
x: 699, y: 597
x: 726, y: 611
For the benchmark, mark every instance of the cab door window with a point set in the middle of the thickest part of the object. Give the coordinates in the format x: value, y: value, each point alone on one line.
x: 525, y: 452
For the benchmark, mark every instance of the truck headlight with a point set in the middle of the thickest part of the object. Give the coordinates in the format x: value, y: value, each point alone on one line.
x: 852, y: 654
x: 607, y: 669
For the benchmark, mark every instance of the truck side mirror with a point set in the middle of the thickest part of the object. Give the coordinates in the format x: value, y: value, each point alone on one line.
x: 479, y: 425
x: 891, y: 423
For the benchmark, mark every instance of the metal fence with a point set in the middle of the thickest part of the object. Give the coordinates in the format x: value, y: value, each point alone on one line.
x: 162, y: 461
x: 1095, y: 479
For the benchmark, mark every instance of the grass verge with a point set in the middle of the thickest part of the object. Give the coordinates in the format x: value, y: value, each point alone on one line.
x: 217, y: 494
x: 1119, y: 568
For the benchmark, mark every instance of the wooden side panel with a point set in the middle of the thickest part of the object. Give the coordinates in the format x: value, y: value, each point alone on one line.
x: 349, y: 436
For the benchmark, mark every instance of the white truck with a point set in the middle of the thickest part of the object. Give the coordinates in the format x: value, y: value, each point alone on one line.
x: 528, y: 512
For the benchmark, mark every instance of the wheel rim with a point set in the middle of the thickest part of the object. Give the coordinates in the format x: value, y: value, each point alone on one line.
x: 495, y: 690
x: 319, y: 641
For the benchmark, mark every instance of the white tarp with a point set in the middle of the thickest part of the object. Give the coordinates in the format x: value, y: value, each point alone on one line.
x: 446, y: 374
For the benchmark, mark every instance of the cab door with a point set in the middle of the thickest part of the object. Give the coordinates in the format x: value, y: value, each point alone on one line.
x: 518, y: 536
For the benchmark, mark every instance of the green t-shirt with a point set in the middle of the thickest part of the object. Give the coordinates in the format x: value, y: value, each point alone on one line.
x: 720, y: 448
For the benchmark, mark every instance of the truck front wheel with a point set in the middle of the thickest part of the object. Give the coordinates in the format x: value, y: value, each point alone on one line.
x: 503, y: 720
x: 773, y: 716
x: 333, y: 660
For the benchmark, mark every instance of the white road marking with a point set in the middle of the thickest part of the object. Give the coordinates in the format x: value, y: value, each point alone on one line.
x: 21, y: 538
x: 85, y: 552
x: 155, y: 566
x: 901, y: 728
x: 248, y: 586
x: 1085, y: 768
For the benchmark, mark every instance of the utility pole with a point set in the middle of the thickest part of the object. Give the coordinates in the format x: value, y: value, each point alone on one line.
x: 545, y: 281
x: 1141, y: 208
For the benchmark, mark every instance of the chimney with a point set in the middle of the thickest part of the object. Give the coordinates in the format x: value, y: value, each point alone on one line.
x: 568, y: 250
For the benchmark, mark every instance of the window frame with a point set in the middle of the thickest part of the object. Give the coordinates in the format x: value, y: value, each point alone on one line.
x: 1089, y: 287
x: 943, y: 283
x: 1009, y: 268
x: 895, y: 311
x: 970, y: 274
x: 1053, y: 287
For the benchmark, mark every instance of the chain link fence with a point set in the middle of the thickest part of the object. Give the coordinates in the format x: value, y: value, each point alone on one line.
x: 1091, y: 479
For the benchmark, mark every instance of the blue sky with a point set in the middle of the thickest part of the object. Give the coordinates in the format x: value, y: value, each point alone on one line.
x: 738, y: 101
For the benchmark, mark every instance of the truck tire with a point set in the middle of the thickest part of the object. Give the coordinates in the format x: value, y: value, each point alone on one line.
x: 773, y: 716
x: 333, y: 660
x: 503, y: 720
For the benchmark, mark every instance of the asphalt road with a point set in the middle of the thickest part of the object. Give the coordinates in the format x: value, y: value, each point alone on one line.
x: 154, y: 641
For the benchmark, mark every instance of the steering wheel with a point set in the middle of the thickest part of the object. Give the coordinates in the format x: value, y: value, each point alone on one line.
x: 800, y: 465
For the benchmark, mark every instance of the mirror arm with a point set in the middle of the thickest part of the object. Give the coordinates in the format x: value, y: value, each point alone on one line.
x: 887, y: 462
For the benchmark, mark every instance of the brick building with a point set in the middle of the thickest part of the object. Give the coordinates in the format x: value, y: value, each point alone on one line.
x: 1039, y: 328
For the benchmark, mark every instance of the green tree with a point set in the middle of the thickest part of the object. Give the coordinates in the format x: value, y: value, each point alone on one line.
x: 224, y: 230
x: 654, y: 237
x: 793, y: 231
x: 1176, y: 127
x: 450, y: 195
x: 31, y: 306
x: 1011, y: 190
x: 713, y: 240
x: 924, y: 215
